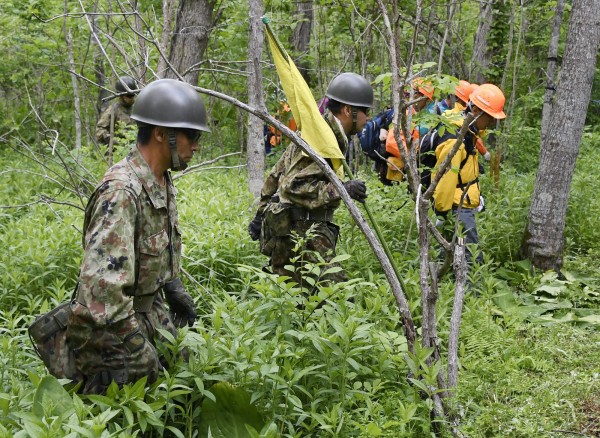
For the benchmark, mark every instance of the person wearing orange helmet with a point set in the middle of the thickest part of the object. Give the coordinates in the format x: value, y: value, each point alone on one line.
x: 462, y: 93
x: 458, y: 191
x: 423, y: 94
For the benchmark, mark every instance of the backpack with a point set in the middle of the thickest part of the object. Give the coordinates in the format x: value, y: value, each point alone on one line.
x: 369, y: 137
x: 428, y: 145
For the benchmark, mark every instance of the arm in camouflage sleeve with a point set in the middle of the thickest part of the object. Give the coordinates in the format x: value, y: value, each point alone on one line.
x: 271, y: 184
x: 109, y: 258
x: 306, y: 185
x: 103, y: 126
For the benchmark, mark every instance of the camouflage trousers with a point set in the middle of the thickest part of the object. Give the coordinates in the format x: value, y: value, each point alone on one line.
x: 323, y: 240
x: 124, y: 351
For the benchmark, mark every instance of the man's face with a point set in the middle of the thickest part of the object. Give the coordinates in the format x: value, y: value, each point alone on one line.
x: 345, y: 116
x: 362, y: 115
x: 187, y: 143
x: 422, y: 103
x: 484, y: 119
x: 127, y: 100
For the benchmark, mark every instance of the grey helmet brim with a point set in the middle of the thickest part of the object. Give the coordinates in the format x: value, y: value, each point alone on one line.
x: 351, y: 89
x: 170, y: 103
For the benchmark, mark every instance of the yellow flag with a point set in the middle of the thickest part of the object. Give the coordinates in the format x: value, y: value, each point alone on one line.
x: 311, y: 124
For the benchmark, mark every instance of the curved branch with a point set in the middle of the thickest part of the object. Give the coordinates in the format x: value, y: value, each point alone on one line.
x: 361, y: 222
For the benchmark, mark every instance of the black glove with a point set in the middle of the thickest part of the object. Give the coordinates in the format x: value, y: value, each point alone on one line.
x: 255, y: 226
x: 181, y: 304
x: 356, y: 189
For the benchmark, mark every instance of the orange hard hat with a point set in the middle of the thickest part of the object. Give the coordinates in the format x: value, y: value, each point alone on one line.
x: 490, y: 99
x: 424, y: 87
x: 464, y: 89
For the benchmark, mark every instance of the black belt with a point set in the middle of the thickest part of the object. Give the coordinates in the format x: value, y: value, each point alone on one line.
x: 320, y: 215
x: 463, y: 185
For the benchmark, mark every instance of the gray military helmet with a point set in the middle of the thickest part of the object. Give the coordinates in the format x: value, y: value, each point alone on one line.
x: 124, y: 84
x: 351, y: 89
x: 170, y: 103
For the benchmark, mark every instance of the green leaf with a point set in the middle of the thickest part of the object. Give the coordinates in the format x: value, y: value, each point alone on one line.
x: 374, y: 430
x: 128, y: 416
x: 229, y: 415
x: 385, y: 77
x: 420, y: 385
x: 4, y: 403
x: 51, y: 394
x: 175, y: 431
x: 550, y: 289
x: 340, y: 258
x: 592, y: 319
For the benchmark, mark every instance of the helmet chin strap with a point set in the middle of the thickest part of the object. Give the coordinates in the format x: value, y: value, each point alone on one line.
x: 176, y: 162
x: 472, y: 125
x: 354, y: 114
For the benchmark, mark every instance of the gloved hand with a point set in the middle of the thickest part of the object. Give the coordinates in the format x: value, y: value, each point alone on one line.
x: 181, y: 304
x: 383, y: 134
x: 254, y: 227
x: 487, y: 156
x: 439, y: 222
x: 356, y: 189
x: 481, y: 206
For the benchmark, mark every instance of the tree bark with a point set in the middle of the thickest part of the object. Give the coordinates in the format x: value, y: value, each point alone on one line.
x: 460, y: 273
x: 99, y: 73
x: 445, y: 38
x: 552, y: 66
x: 142, y: 69
x: 76, y: 99
x: 168, y: 8
x: 255, y: 145
x: 543, y: 240
x: 480, y: 60
x: 301, y: 36
x: 190, y: 38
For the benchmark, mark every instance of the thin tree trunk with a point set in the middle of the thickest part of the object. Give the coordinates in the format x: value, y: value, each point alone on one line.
x: 543, y: 240
x: 255, y: 145
x: 495, y: 164
x: 190, y: 39
x: 75, y: 85
x: 142, y: 67
x: 446, y: 32
x: 480, y: 59
x: 99, y: 72
x: 460, y: 273
x: 301, y: 36
x: 167, y: 32
x: 430, y: 33
x: 552, y: 66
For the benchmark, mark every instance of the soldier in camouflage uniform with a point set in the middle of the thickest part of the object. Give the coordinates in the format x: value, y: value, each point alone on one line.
x: 297, y: 196
x: 119, y: 113
x: 132, y: 242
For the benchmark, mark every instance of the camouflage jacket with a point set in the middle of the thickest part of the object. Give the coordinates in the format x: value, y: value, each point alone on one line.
x: 122, y: 115
x: 299, y: 180
x: 127, y: 210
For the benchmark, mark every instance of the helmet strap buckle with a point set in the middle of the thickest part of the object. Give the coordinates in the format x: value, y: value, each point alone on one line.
x: 176, y: 162
x: 354, y: 117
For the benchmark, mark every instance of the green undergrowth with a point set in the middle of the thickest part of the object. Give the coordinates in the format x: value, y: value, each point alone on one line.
x: 265, y: 360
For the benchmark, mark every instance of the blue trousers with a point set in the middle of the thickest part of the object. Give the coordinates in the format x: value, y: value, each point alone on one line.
x: 467, y: 219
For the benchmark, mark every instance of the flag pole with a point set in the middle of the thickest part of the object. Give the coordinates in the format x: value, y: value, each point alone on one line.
x: 386, y: 249
x: 266, y: 20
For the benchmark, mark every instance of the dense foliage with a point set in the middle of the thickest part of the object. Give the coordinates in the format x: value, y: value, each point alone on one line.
x: 335, y: 364
x: 312, y: 368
